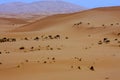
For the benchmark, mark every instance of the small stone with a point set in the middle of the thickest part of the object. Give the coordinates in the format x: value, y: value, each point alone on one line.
x: 92, y: 68
x: 107, y: 78
x: 45, y: 62
x: 53, y: 58
x: 18, y: 66
x: 0, y: 63
x: 26, y: 61
x: 71, y: 66
x: 79, y: 67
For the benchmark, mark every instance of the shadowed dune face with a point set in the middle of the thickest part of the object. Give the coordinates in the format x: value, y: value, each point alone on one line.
x: 13, y: 20
x: 95, y: 17
x: 7, y: 24
x: 81, y: 46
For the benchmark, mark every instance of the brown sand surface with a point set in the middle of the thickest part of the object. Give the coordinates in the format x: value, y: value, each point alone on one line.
x: 62, y: 50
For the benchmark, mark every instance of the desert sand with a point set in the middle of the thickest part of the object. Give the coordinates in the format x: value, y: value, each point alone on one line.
x: 78, y: 46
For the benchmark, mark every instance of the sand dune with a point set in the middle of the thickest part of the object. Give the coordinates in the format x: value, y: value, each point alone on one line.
x: 12, y: 20
x: 95, y: 17
x: 78, y: 46
x: 7, y: 24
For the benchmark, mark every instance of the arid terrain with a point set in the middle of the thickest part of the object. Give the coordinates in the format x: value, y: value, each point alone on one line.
x: 77, y: 46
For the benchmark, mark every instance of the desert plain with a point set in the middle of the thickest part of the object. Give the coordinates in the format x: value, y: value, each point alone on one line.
x: 78, y: 46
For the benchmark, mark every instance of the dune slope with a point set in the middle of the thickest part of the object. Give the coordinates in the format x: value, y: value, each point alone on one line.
x: 92, y: 18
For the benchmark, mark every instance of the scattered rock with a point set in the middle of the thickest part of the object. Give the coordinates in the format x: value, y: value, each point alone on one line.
x: 51, y: 48
x: 58, y: 48
x: 53, y: 58
x: 37, y: 38
x: 66, y: 38
x: 117, y: 23
x: 45, y: 62
x: 111, y: 24
x: 26, y: 60
x: 32, y: 47
x: 92, y: 68
x: 106, y: 40
x: 118, y: 34
x: 21, y: 48
x: 86, y: 48
x: 71, y: 66
x: 38, y: 61
x: 106, y: 77
x: 119, y: 45
x: 80, y: 59
x: 100, y: 42
x: 79, y: 67
x: 18, y: 66
x: 116, y: 39
x: 89, y: 35
x: 48, y: 58
x: 0, y: 63
x: 26, y: 38
x: 103, y: 25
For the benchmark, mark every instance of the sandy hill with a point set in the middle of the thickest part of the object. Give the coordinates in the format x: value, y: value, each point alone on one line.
x: 12, y: 21
x: 93, y: 18
x: 7, y: 24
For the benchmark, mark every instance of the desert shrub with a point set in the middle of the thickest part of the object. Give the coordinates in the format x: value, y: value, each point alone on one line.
x: 57, y: 37
x: 116, y: 39
x: 13, y: 39
x: 107, y: 41
x: 89, y: 35
x: 92, y: 68
x: 18, y: 66
x: 50, y: 36
x: 66, y: 38
x: 26, y: 38
x: 51, y: 48
x: 71, y: 66
x: 111, y: 24
x: 4, y: 38
x: 37, y: 38
x: 79, y: 67
x: 32, y: 47
x: 26, y: 60
x: 80, y: 23
x: 58, y: 48
x: 103, y: 25
x: 53, y: 58
x: 118, y: 34
x: 0, y: 63
x: 21, y: 48
x: 88, y: 23
x: 117, y: 23
x: 45, y: 62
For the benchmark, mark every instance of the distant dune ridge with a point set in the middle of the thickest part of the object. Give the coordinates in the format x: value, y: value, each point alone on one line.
x: 40, y: 7
x: 15, y: 13
x: 95, y: 17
